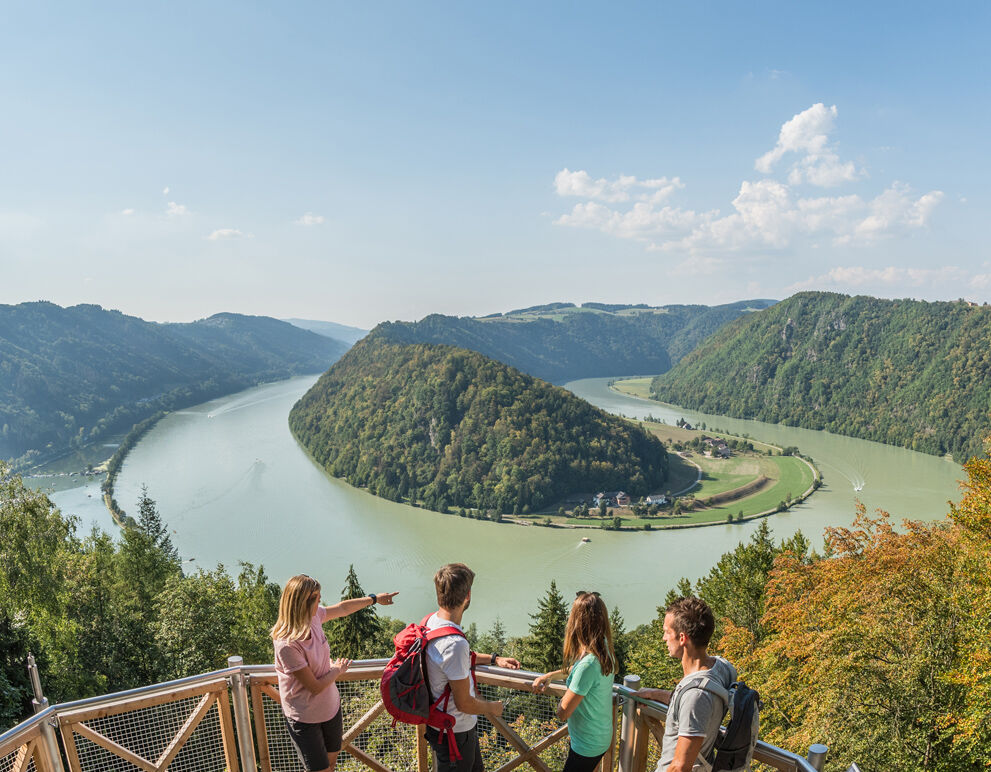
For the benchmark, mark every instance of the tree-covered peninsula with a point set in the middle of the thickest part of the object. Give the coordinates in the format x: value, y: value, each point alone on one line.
x: 447, y: 427
x: 71, y: 375
x: 561, y: 341
x: 903, y: 372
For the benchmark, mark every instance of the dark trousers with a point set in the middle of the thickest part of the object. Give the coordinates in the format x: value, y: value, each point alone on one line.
x: 578, y: 763
x: 467, y: 742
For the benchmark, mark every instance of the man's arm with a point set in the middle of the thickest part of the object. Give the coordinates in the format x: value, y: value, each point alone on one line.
x: 467, y: 703
x: 660, y: 695
x: 686, y: 753
x: 494, y: 659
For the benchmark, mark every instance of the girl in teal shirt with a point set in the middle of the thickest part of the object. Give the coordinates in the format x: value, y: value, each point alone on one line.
x: 590, y: 662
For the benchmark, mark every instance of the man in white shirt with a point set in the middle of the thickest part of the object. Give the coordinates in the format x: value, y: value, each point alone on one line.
x: 449, y: 663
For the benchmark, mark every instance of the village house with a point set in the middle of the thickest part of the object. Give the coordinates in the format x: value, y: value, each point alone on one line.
x: 612, y: 498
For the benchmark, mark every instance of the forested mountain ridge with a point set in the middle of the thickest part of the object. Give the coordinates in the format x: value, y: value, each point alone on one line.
x: 69, y: 375
x: 452, y: 428
x: 560, y: 341
x: 342, y: 332
x: 903, y: 372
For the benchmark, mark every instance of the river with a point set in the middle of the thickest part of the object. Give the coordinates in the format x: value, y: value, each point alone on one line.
x: 233, y: 484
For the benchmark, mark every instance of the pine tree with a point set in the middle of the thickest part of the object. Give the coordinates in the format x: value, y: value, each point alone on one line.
x: 357, y: 635
x: 619, y: 639
x: 145, y: 564
x: 546, y: 644
x: 150, y: 522
x: 493, y: 641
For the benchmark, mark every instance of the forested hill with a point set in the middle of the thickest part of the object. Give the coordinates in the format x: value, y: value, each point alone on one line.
x: 452, y: 428
x: 69, y: 375
x: 560, y: 342
x: 904, y: 372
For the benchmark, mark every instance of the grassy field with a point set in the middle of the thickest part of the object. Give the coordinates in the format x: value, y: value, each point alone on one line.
x: 635, y: 387
x: 681, y: 473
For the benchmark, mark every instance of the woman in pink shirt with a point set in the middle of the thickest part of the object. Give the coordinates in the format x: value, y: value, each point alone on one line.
x: 307, y: 676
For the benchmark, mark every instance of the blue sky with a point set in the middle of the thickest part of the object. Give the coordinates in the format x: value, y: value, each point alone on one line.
x: 370, y: 161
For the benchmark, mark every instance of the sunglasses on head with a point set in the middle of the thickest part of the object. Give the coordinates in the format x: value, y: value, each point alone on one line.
x: 587, y: 592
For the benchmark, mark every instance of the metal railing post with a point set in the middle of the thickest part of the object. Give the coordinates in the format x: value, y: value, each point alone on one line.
x: 817, y: 755
x: 39, y: 703
x: 626, y: 727
x: 242, y: 720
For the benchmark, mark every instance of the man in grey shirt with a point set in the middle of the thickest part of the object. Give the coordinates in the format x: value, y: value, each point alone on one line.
x: 698, y: 703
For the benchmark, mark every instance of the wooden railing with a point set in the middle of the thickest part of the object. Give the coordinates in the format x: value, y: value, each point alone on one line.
x: 231, y: 721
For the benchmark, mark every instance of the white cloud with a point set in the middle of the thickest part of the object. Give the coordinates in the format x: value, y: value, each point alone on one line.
x: 227, y: 233
x: 855, y: 276
x: 311, y: 219
x: 165, y: 190
x: 807, y: 134
x: 176, y: 210
x: 127, y: 212
x: 623, y: 188
x: 766, y: 213
x: 895, y: 208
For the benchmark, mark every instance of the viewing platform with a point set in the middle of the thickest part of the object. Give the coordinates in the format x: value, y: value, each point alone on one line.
x: 231, y: 721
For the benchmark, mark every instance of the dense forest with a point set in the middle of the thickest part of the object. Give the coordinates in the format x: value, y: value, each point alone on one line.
x: 879, y: 645
x: 560, y: 342
x: 71, y: 375
x: 452, y: 428
x: 903, y: 372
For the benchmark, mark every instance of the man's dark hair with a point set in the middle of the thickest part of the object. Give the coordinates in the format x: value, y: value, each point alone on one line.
x: 693, y: 617
x: 453, y: 583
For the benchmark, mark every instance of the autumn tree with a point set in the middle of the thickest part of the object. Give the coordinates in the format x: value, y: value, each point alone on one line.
x: 856, y: 650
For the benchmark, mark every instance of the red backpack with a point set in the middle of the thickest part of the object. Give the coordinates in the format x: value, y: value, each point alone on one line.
x: 405, y: 688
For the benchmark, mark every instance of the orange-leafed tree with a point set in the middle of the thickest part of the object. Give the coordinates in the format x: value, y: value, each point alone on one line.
x: 860, y: 646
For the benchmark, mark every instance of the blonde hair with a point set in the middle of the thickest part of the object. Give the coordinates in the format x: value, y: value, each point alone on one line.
x: 295, y: 608
x: 589, y: 630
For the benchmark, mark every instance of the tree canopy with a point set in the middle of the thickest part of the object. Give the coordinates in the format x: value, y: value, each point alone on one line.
x: 903, y: 372
x: 450, y: 427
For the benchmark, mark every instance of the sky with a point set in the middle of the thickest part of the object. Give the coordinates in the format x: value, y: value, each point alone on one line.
x: 358, y: 162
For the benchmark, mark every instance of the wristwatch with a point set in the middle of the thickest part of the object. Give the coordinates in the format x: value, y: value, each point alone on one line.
x: 373, y: 597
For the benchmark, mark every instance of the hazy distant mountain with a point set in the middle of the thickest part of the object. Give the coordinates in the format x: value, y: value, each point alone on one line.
x: 342, y: 332
x: 904, y: 372
x: 450, y: 427
x: 560, y: 341
x: 70, y: 375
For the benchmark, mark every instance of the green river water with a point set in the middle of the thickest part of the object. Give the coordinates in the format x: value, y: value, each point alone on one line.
x: 232, y: 484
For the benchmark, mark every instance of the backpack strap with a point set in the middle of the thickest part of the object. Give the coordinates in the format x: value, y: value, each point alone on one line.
x: 709, y: 684
x: 443, y: 632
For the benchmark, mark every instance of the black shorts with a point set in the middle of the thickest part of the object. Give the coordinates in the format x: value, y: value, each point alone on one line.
x: 314, y: 741
x: 578, y: 763
x: 467, y: 743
